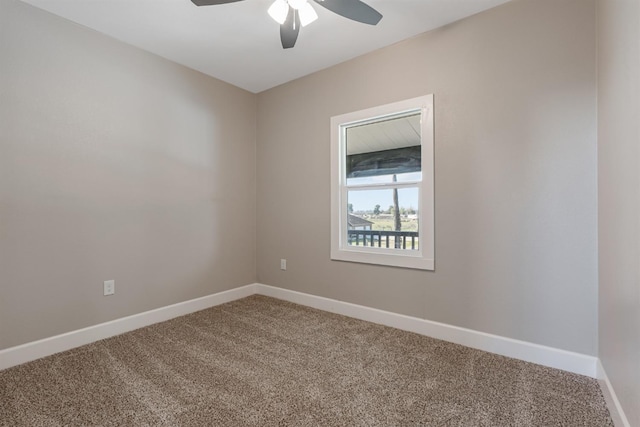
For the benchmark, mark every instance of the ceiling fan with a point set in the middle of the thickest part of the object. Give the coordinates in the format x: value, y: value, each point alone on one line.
x: 292, y: 14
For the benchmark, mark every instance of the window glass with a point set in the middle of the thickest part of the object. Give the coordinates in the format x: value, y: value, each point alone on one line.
x: 377, y: 151
x: 374, y: 221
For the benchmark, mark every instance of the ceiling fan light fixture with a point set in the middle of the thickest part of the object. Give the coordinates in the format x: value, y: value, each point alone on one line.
x: 279, y: 11
x: 303, y: 14
x: 307, y: 14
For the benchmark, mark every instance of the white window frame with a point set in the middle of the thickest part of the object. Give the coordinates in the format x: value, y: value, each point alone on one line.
x: 423, y: 258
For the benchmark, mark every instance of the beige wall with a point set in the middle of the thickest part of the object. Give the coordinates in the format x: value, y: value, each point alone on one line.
x: 516, y: 185
x: 114, y: 164
x: 619, y: 198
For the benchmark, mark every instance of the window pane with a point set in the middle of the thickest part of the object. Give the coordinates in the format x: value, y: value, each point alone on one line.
x: 384, y: 148
x: 382, y: 219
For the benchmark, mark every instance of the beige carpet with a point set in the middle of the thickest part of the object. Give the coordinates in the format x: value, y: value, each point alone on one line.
x: 263, y: 362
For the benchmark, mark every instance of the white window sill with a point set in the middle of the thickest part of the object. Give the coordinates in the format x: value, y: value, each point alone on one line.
x: 401, y: 260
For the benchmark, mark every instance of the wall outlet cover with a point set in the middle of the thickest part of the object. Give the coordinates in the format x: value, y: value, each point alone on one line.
x: 109, y: 287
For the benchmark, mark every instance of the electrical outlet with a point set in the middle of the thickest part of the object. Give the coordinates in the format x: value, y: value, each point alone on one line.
x: 283, y: 264
x: 109, y: 287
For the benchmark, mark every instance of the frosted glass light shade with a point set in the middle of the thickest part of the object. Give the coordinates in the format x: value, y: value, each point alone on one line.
x: 279, y: 11
x: 307, y: 14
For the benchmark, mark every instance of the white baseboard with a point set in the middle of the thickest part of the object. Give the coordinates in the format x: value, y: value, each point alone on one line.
x: 529, y: 352
x: 617, y: 414
x: 547, y: 356
x: 34, y: 350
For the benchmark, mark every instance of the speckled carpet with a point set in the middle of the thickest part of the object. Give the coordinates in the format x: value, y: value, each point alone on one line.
x: 260, y: 361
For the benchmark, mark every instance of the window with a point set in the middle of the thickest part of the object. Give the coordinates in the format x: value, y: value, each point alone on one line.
x: 382, y: 190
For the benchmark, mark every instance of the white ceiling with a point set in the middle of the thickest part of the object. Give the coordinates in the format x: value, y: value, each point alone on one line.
x: 240, y: 44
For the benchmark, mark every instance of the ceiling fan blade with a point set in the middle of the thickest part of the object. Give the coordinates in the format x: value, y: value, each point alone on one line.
x: 290, y: 29
x: 352, y: 9
x: 212, y: 2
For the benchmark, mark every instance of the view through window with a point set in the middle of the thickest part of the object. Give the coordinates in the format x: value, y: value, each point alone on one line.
x: 383, y: 171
